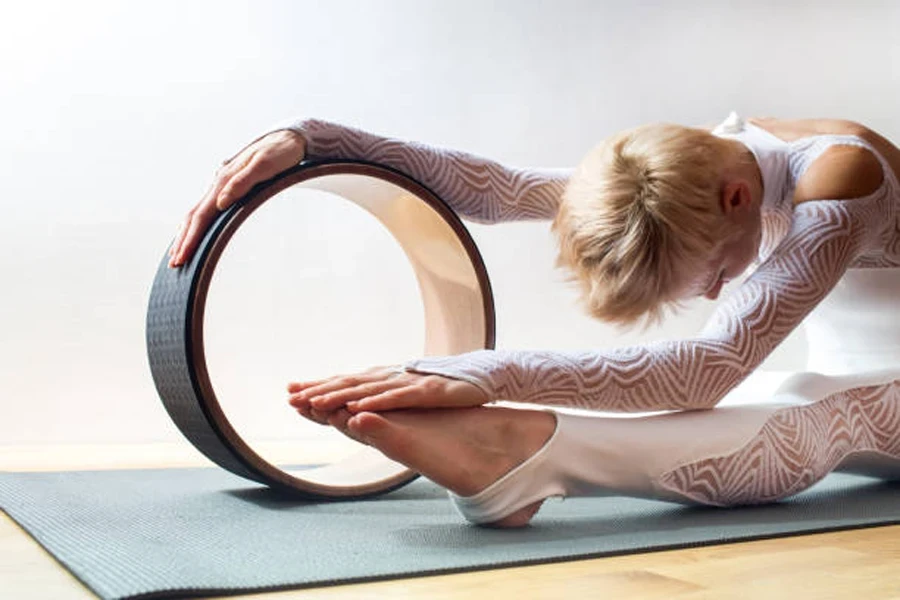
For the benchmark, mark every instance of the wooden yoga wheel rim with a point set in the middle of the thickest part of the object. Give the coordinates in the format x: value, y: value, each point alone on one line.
x: 174, y: 325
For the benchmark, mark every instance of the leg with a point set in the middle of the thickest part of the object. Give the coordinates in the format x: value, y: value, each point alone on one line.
x: 855, y: 430
x: 501, y: 468
x: 464, y: 450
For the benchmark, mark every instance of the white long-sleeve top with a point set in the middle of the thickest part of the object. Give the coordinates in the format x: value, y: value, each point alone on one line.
x: 805, y: 251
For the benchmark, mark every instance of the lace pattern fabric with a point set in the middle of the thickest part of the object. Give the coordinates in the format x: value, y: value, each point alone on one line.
x: 825, y: 239
x: 806, y: 250
x: 796, y: 271
x: 479, y: 189
x: 857, y: 429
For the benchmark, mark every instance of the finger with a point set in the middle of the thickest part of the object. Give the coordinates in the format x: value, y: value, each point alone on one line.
x: 263, y: 159
x: 337, y: 399
x: 179, y: 251
x: 226, y: 173
x: 195, y: 231
x: 177, y: 238
x: 340, y: 382
x: 259, y: 168
x: 338, y: 419
x: 176, y: 242
x: 183, y: 228
x: 300, y: 396
x: 177, y: 246
x: 298, y: 402
x: 405, y: 397
x: 294, y: 387
x: 184, y: 245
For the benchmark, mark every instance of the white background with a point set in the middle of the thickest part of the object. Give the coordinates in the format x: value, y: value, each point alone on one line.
x: 113, y: 117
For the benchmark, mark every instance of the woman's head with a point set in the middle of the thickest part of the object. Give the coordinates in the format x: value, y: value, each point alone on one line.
x: 651, y: 212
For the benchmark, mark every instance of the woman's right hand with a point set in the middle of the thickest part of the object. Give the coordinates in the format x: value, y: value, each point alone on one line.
x: 261, y: 160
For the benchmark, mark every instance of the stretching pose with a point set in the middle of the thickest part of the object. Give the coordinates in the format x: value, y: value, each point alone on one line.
x: 651, y: 217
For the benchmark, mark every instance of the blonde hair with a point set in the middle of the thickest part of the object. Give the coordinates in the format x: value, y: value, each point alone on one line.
x: 640, y: 215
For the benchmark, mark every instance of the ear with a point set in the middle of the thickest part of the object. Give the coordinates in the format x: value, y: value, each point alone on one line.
x: 735, y: 197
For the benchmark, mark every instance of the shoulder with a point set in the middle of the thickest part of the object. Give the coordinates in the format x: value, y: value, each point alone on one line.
x: 790, y: 130
x: 842, y: 172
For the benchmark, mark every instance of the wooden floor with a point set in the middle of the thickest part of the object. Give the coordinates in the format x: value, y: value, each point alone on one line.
x: 855, y: 564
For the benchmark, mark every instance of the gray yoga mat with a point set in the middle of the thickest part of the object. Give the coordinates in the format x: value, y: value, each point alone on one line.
x: 183, y: 532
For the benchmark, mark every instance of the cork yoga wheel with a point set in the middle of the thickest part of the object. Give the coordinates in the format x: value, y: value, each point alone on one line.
x: 452, y: 284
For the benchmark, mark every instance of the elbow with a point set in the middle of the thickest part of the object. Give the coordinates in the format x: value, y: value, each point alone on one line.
x: 708, y: 403
x: 729, y: 381
x: 717, y: 384
x: 699, y: 402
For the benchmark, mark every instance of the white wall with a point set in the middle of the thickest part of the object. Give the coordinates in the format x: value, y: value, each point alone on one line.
x: 114, y: 115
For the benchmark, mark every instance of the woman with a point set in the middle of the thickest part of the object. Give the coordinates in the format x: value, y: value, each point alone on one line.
x: 653, y: 216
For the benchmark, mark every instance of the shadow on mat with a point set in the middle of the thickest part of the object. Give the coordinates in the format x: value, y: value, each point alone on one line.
x: 602, y: 518
x: 266, y: 497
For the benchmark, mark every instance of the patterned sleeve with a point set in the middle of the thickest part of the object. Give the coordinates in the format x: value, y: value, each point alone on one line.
x: 824, y: 239
x: 476, y: 188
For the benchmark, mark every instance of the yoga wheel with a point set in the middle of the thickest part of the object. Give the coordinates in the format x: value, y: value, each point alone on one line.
x: 453, y: 288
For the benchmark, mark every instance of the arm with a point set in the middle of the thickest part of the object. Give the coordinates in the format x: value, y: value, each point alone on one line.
x: 824, y: 239
x: 476, y: 188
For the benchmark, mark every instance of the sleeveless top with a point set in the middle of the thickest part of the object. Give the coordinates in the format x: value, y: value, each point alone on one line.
x: 856, y: 327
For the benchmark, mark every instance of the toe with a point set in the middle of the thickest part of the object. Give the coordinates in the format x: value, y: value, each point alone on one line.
x: 371, y: 427
x: 393, y: 440
x: 305, y: 413
x: 338, y: 419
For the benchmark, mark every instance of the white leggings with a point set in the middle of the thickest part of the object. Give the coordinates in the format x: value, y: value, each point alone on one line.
x: 731, y: 455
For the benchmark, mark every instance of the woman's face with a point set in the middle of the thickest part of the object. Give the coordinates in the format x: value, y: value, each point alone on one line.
x: 733, y: 259
x: 740, y: 202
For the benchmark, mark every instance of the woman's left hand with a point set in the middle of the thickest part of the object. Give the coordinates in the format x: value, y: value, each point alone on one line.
x: 381, y: 389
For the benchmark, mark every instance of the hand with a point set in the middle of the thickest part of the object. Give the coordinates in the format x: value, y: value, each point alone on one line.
x: 261, y: 160
x: 380, y: 389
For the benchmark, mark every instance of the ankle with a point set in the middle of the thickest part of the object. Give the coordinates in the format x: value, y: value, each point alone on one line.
x: 529, y: 431
x: 540, y: 427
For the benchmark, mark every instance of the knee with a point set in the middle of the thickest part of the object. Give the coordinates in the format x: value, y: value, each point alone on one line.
x: 706, y: 485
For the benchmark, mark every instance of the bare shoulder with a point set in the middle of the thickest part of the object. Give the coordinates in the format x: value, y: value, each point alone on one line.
x: 840, y: 173
x: 790, y: 130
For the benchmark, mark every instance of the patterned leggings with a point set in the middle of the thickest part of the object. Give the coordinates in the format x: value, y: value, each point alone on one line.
x: 856, y: 430
x: 732, y: 455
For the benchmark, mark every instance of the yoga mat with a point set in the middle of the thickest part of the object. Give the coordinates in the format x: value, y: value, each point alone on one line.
x: 182, y: 532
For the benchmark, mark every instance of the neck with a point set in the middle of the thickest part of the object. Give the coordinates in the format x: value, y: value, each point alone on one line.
x: 745, y: 167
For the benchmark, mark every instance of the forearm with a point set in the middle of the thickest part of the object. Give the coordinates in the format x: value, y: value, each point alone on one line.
x: 682, y: 375
x: 476, y: 188
x: 691, y: 374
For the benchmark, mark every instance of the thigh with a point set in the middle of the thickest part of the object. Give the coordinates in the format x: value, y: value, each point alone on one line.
x: 855, y: 429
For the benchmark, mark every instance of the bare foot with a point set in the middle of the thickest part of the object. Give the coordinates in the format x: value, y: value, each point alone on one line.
x: 485, y: 443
